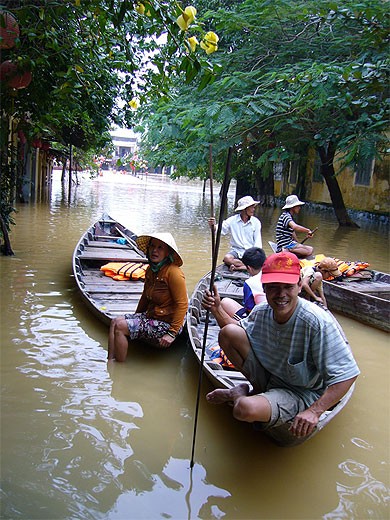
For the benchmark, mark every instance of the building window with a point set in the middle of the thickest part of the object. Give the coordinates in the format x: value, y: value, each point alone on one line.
x: 363, y: 171
x: 294, y: 167
x: 278, y: 170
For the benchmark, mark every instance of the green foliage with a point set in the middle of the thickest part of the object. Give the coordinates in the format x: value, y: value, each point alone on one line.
x: 88, y: 60
x: 294, y: 74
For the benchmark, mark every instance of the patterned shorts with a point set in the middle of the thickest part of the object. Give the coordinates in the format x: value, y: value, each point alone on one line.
x: 148, y: 329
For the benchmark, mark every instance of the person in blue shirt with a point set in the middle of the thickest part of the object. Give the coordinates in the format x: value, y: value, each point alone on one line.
x: 253, y: 259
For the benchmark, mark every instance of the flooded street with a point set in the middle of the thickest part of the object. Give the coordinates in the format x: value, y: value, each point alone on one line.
x: 83, y: 440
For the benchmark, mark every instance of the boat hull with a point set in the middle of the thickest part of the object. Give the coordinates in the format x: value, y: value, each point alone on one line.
x: 106, y: 298
x: 367, y: 301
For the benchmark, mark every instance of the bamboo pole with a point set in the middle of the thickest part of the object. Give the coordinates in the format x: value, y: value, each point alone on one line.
x: 225, y: 187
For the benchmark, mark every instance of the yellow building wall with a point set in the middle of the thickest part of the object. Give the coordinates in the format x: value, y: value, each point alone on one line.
x: 372, y: 198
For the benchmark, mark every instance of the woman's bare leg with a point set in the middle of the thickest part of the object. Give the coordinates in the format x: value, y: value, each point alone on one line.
x: 118, y: 339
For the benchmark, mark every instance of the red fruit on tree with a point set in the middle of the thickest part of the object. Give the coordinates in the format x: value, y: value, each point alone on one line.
x: 9, y: 30
x: 13, y: 77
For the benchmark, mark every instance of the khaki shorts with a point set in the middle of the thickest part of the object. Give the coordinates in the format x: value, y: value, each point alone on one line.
x: 285, y: 405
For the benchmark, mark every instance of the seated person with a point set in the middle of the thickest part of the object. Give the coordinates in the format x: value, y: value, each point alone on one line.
x: 253, y: 259
x: 292, y: 352
x: 245, y: 231
x: 162, y: 308
x: 286, y: 229
x: 312, y: 277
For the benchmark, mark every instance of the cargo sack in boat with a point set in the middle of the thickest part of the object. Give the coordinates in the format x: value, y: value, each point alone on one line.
x: 351, y: 268
x: 125, y: 270
x: 347, y: 268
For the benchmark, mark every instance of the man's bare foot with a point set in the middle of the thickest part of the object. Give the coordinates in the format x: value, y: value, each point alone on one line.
x: 233, y: 267
x: 221, y: 395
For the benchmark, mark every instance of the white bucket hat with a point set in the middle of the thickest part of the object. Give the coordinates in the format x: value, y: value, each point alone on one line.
x: 292, y: 201
x: 245, y: 202
x: 167, y: 238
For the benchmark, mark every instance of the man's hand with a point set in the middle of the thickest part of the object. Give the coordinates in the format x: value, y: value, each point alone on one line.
x: 211, y: 222
x: 211, y: 301
x: 304, y: 423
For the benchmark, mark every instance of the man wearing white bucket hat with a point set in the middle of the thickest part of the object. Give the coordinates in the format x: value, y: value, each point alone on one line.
x: 161, y: 310
x: 286, y: 229
x: 245, y: 230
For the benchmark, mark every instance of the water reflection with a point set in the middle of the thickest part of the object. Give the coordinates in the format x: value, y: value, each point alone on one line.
x: 361, y: 500
x: 81, y: 439
x: 177, y: 493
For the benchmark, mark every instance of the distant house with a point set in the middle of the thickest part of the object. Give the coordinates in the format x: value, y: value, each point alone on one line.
x: 125, y: 143
x: 365, y: 187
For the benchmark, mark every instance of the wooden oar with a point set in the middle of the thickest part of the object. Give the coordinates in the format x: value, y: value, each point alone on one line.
x: 130, y: 242
x: 211, y: 199
x: 312, y: 233
x: 225, y: 187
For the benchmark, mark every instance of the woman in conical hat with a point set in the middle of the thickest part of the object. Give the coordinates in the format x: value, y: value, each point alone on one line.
x: 161, y: 310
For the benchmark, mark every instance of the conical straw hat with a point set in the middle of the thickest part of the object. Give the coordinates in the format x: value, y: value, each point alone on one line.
x: 167, y: 238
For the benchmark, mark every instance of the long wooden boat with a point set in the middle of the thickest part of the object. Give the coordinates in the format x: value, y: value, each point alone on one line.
x: 107, y: 241
x: 365, y: 300
x: 231, y: 285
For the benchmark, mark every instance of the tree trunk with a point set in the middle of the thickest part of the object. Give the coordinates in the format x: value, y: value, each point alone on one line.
x: 243, y: 186
x: 265, y: 186
x: 6, y: 248
x: 303, y: 182
x: 327, y: 170
x: 63, y: 171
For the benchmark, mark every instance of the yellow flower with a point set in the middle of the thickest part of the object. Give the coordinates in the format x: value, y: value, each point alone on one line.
x: 190, y: 13
x: 186, y: 18
x: 134, y: 103
x: 209, y: 42
x: 140, y: 8
x: 193, y: 43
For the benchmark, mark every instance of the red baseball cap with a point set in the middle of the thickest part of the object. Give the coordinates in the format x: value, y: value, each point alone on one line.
x: 281, y: 267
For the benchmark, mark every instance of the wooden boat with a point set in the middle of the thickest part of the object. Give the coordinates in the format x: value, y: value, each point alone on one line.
x: 231, y: 285
x: 366, y: 300
x: 105, y: 297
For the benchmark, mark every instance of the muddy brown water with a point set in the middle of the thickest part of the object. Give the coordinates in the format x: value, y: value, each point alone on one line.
x: 82, y: 440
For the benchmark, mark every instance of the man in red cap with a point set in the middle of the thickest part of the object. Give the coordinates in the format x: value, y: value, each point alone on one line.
x: 293, y: 353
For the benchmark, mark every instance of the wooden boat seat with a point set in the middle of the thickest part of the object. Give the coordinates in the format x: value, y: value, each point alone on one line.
x: 97, y: 244
x: 119, y: 255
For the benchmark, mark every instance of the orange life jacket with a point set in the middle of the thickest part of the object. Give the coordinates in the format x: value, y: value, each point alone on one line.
x: 125, y: 270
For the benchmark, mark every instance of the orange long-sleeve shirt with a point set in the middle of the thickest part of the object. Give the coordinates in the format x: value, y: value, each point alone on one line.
x: 165, y: 296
